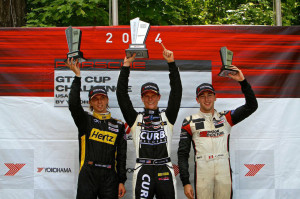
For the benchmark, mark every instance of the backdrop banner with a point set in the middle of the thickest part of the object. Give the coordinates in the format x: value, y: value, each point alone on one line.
x: 39, y: 151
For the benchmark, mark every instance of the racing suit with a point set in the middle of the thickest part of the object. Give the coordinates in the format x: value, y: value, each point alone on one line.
x: 103, y: 148
x: 152, y: 136
x: 209, y: 135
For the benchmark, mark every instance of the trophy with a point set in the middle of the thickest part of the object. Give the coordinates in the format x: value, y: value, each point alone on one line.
x: 226, y: 57
x: 139, y: 31
x: 74, y: 38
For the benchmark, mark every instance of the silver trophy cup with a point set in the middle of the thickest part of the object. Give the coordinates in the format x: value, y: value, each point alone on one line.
x: 139, y: 31
x: 226, y: 57
x: 74, y: 39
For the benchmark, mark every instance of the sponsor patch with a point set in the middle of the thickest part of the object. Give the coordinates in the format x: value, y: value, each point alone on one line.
x: 219, y: 123
x: 163, y: 178
x: 163, y: 174
x: 113, y: 125
x: 97, y: 121
x: 213, y: 133
x: 153, y: 137
x: 113, y: 129
x: 199, y: 125
x: 103, y: 136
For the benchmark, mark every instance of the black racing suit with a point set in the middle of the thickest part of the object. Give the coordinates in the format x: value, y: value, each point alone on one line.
x: 103, y: 150
x: 152, y: 135
x: 209, y: 133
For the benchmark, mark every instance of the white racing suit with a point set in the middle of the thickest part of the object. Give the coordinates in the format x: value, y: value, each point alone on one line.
x: 209, y: 135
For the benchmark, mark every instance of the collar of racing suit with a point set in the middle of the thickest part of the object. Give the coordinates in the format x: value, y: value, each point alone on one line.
x: 151, y: 112
x: 210, y: 116
x: 102, y: 116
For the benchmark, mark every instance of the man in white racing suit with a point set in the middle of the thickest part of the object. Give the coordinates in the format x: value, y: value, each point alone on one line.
x: 209, y: 132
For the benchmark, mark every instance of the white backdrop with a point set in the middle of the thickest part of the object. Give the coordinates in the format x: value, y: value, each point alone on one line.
x: 39, y: 135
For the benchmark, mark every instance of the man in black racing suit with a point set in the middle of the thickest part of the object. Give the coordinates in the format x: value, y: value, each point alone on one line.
x: 152, y: 132
x: 209, y: 131
x: 102, y: 142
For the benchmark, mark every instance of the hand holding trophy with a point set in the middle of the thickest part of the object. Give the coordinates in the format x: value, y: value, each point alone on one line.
x: 139, y: 31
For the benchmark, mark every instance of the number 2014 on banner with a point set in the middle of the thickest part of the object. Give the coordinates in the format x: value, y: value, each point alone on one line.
x: 125, y: 38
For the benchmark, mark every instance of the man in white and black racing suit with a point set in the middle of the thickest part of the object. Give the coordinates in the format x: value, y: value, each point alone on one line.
x: 102, y: 142
x: 152, y: 132
x: 208, y: 131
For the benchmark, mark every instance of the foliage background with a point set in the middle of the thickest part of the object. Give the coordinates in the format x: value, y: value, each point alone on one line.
x: 45, y: 13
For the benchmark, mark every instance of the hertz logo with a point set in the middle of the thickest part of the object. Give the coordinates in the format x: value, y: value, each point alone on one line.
x: 103, y: 136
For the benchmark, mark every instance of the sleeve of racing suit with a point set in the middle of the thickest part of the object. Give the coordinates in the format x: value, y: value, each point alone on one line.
x: 121, y: 155
x: 175, y: 93
x: 184, y: 152
x: 242, y: 112
x: 75, y: 107
x: 124, y: 101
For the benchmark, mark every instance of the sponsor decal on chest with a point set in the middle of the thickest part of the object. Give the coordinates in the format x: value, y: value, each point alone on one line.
x: 219, y: 123
x: 153, y: 137
x: 103, y: 136
x: 97, y: 121
x: 113, y: 127
x: 213, y: 133
x: 151, y: 117
x: 151, y: 124
x: 199, y: 123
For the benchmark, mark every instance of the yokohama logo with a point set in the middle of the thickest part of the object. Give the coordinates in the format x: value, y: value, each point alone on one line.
x: 54, y: 170
x: 13, y: 168
x: 253, y: 169
x: 39, y: 170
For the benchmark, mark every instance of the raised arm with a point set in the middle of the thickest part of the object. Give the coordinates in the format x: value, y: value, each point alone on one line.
x: 251, y: 104
x: 176, y: 87
x: 124, y: 101
x: 75, y: 107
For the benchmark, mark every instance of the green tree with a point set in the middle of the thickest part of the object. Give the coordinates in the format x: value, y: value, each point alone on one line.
x: 156, y: 12
x: 160, y: 12
x: 42, y: 13
x: 290, y: 12
x: 259, y: 13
